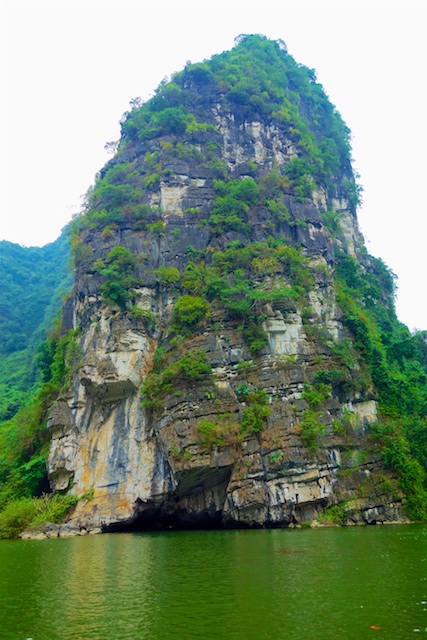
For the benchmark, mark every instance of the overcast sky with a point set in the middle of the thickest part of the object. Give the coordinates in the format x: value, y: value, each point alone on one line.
x: 70, y: 67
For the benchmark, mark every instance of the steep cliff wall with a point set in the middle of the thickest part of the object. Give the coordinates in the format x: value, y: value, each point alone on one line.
x: 218, y: 383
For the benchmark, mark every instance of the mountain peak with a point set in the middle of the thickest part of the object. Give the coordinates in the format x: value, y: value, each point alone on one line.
x: 240, y: 362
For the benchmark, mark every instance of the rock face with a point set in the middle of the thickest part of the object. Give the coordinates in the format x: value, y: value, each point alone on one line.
x: 175, y: 419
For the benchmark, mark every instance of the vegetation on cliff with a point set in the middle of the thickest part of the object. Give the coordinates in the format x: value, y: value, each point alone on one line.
x: 257, y: 80
x: 24, y: 441
x: 397, y: 364
x: 252, y: 259
x: 243, y: 271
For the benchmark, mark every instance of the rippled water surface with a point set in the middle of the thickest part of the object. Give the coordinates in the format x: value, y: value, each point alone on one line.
x: 232, y: 585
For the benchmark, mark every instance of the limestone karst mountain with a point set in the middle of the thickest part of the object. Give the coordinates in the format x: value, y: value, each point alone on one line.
x: 237, y: 360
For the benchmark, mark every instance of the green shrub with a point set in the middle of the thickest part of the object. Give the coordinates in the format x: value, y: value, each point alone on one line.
x: 58, y: 356
x: 32, y: 474
x: 231, y: 207
x: 210, y: 434
x: 396, y: 453
x: 191, y: 367
x: 107, y: 233
x: 335, y: 514
x: 300, y: 171
x: 232, y: 283
x: 316, y: 396
x: 224, y: 431
x: 199, y: 73
x: 278, y: 210
x: 344, y: 354
x: 159, y: 360
x: 192, y: 126
x: 172, y: 120
x: 189, y: 311
x: 111, y: 198
x: 24, y: 438
x: 168, y: 275
x: 81, y: 251
x: 17, y: 516
x: 255, y: 416
x: 188, y: 370
x: 338, y: 428
x: 331, y: 220
x: 330, y: 377
x: 148, y: 318
x: 243, y: 389
x: 243, y: 365
x: 276, y: 456
x: 151, y: 181
x: 118, y: 275
x: 311, y: 428
x: 256, y: 337
x: 32, y: 513
x: 153, y: 390
x: 354, y: 193
x: 286, y: 362
x: 157, y: 228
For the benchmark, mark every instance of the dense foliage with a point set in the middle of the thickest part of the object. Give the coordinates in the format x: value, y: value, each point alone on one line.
x: 117, y: 275
x: 397, y: 365
x: 24, y: 440
x: 32, y: 370
x: 34, y: 279
x: 256, y: 80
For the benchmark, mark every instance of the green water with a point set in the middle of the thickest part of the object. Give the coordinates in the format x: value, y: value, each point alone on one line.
x: 232, y: 585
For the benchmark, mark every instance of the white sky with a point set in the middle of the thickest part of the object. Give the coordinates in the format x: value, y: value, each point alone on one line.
x: 70, y: 67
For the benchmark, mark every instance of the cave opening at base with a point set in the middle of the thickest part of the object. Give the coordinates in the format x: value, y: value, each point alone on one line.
x: 176, y: 523
x: 196, y: 504
x: 158, y: 521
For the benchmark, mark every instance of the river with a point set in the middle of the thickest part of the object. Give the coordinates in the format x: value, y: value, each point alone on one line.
x: 317, y: 584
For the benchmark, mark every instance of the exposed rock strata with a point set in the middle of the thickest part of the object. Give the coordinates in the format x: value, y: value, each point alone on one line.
x: 152, y: 470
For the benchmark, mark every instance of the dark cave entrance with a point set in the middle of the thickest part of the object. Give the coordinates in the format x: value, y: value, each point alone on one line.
x: 163, y: 521
x: 196, y: 504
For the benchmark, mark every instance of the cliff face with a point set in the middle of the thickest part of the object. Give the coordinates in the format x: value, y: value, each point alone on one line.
x: 217, y: 384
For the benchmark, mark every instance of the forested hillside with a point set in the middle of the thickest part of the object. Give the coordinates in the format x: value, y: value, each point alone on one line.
x: 33, y: 282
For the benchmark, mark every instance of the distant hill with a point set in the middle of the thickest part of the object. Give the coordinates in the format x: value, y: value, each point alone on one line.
x: 33, y: 282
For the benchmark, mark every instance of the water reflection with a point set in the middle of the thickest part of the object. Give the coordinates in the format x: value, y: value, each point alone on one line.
x: 252, y: 585
x: 108, y: 581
